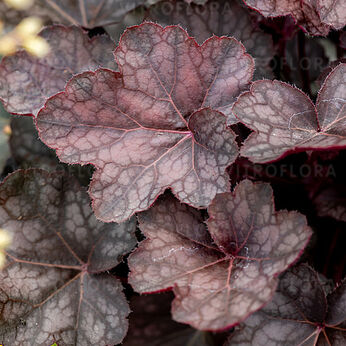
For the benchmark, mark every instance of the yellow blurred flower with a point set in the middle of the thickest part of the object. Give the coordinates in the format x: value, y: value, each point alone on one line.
x: 28, y: 27
x: 8, y: 45
x: 19, y: 4
x: 25, y: 35
x: 37, y: 46
x: 5, y: 240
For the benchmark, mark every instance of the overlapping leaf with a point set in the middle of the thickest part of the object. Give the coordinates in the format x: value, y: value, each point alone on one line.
x: 285, y: 119
x: 49, y: 290
x: 26, y: 148
x: 222, y: 276
x: 28, y: 151
x: 305, y: 12
x: 89, y: 13
x: 26, y: 81
x: 146, y: 129
x: 300, y: 314
x: 220, y: 18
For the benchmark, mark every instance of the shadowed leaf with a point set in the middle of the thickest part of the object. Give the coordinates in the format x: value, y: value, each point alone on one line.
x: 49, y: 290
x: 146, y: 130
x: 285, y: 120
x: 26, y: 148
x: 331, y: 201
x: 299, y: 314
x: 305, y: 13
x: 151, y: 325
x: 220, y: 18
x: 217, y: 283
x: 89, y: 13
x: 26, y: 81
x: 4, y: 137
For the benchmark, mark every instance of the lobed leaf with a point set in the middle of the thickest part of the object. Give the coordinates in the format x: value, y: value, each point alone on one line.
x: 225, y: 17
x: 219, y: 282
x: 148, y: 128
x: 299, y: 314
x: 49, y: 288
x: 285, y: 119
x: 26, y: 81
x: 305, y: 13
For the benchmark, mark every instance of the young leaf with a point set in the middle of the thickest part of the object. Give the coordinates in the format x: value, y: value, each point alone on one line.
x: 145, y: 130
x: 225, y: 17
x: 217, y: 283
x: 285, y: 119
x: 332, y: 12
x: 299, y: 314
x: 304, y: 12
x: 50, y: 290
x: 26, y: 81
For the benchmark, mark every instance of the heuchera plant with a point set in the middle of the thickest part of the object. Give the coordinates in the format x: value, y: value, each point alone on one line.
x: 178, y: 155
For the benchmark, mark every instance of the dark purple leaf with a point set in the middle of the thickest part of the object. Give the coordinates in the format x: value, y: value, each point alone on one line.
x: 305, y: 13
x: 218, y: 283
x: 299, y: 314
x: 4, y: 136
x: 146, y: 130
x: 331, y: 201
x: 343, y: 40
x: 285, y: 120
x: 89, y: 13
x: 26, y: 148
x: 26, y: 81
x: 225, y: 17
x: 49, y: 288
x: 305, y: 70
